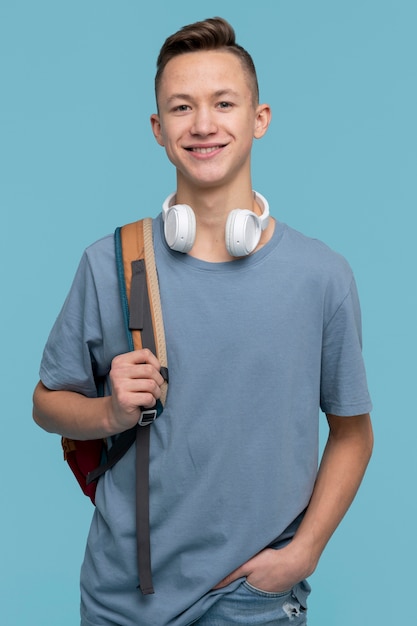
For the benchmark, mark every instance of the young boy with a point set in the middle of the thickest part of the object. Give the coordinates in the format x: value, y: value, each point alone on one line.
x: 263, y: 330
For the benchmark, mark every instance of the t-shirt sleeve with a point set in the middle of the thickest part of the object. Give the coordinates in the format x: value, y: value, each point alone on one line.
x: 69, y: 361
x: 344, y: 389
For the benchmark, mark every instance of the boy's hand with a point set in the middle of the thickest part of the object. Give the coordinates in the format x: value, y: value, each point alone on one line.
x: 136, y: 382
x: 275, y: 571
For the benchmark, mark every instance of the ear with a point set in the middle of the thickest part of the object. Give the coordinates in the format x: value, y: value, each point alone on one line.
x: 157, y: 129
x: 262, y: 120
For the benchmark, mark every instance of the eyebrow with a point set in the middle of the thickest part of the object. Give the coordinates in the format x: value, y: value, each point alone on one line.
x: 217, y: 94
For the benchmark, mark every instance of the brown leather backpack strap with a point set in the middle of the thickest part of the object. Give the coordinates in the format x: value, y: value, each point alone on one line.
x: 137, y: 244
x: 133, y: 253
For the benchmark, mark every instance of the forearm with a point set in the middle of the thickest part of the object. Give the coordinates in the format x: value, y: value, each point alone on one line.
x: 342, y: 468
x: 71, y: 414
x: 135, y: 381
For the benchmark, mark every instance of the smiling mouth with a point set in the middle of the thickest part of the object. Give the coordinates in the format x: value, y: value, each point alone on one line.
x: 205, y: 150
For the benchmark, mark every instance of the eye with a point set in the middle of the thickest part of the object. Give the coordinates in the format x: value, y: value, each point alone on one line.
x: 181, y: 108
x: 225, y: 105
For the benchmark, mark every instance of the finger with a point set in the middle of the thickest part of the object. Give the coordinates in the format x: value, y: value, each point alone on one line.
x: 136, y: 357
x: 145, y: 372
x: 140, y: 364
x: 237, y: 573
x: 145, y: 356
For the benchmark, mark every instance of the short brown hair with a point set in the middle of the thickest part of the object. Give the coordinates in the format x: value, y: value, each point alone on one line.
x: 211, y: 34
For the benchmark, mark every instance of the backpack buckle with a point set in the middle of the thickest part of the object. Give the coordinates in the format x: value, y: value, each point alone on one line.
x: 147, y: 416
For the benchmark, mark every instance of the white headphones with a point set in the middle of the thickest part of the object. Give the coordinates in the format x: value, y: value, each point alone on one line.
x: 243, y: 227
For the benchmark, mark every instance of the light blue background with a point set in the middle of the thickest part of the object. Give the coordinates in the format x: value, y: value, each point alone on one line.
x: 339, y: 162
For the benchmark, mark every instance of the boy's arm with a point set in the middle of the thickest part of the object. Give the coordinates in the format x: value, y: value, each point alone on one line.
x: 135, y: 382
x: 342, y: 467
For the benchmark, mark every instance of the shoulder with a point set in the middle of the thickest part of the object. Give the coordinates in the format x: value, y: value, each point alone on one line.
x: 96, y: 267
x: 102, y: 248
x: 315, y: 257
x: 99, y: 257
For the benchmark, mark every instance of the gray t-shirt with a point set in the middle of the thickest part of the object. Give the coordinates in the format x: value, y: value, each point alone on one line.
x: 255, y: 348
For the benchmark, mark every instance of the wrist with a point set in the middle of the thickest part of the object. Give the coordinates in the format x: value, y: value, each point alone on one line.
x: 303, y: 555
x: 110, y: 423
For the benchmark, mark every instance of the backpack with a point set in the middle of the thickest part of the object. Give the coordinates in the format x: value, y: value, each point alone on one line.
x: 142, y: 314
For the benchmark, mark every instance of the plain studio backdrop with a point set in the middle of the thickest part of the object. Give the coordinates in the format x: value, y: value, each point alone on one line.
x: 77, y: 159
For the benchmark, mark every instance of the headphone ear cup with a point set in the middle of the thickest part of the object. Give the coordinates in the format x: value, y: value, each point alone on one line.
x: 180, y: 227
x: 243, y: 232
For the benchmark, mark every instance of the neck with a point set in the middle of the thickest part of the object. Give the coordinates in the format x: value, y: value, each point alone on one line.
x: 212, y: 206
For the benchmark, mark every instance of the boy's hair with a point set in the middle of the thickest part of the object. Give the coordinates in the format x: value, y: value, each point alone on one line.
x: 211, y: 34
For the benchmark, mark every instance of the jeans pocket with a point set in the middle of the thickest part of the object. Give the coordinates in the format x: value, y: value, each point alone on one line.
x: 265, y: 594
x: 251, y: 606
x: 277, y: 607
x: 301, y: 591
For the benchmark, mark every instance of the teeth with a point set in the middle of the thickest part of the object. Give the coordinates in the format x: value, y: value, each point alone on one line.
x: 205, y: 150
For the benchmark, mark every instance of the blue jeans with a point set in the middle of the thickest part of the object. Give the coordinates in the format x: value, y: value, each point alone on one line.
x: 248, y: 606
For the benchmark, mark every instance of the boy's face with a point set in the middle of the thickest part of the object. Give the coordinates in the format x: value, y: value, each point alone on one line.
x: 207, y: 118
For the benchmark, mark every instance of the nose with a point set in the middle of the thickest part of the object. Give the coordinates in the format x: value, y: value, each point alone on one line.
x: 203, y: 122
